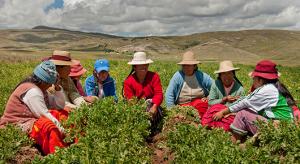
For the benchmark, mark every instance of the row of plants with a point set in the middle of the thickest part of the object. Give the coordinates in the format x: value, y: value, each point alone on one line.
x: 115, y: 133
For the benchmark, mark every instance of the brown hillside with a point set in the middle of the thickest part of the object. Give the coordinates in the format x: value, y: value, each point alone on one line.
x: 239, y: 46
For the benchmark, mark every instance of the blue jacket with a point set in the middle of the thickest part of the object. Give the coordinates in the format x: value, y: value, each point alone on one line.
x: 109, y: 87
x: 176, y: 84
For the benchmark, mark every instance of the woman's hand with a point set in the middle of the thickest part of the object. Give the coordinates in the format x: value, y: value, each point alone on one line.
x: 218, y: 116
x: 90, y: 99
x: 221, y: 114
x: 153, y: 110
x: 204, y: 99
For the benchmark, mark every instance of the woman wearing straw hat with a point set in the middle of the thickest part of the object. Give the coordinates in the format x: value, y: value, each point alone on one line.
x: 144, y: 84
x: 189, y: 86
x: 101, y: 84
x: 63, y: 62
x: 28, y: 105
x: 77, y: 71
x: 270, y: 100
x: 224, y: 91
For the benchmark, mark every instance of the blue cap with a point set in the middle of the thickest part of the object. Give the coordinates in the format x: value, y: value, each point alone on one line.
x: 46, y: 71
x: 101, y: 65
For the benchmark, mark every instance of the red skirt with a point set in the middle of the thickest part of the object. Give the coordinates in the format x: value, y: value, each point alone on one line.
x: 224, y: 123
x: 46, y: 134
x: 198, y: 104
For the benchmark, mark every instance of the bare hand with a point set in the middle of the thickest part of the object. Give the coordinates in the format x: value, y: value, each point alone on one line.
x: 231, y: 98
x: 218, y: 116
x: 204, y: 99
x: 90, y: 99
x: 153, y: 110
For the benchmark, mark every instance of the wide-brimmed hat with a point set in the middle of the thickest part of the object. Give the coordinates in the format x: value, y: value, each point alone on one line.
x: 140, y: 58
x: 188, y: 58
x: 77, y: 69
x: 101, y: 65
x: 62, y: 58
x: 265, y: 69
x: 226, y: 66
x: 46, y: 71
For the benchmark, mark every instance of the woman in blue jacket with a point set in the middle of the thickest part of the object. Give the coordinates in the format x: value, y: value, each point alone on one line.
x: 189, y: 86
x: 100, y: 84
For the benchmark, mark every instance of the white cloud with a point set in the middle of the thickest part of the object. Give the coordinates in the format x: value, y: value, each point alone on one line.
x: 152, y: 17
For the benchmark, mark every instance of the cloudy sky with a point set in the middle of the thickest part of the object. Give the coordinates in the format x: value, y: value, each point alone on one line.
x: 151, y: 17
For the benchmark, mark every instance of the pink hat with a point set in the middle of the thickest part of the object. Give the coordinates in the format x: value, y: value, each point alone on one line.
x: 77, y: 69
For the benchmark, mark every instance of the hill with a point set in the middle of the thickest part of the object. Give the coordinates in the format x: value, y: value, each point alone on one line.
x: 240, y: 46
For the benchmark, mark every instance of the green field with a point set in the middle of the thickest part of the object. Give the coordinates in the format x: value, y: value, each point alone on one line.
x: 115, y: 133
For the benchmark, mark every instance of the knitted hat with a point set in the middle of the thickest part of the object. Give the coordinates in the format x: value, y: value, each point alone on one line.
x: 46, y: 71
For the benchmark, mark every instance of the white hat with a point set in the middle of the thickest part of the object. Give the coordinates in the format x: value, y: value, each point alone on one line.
x: 226, y: 66
x: 139, y: 58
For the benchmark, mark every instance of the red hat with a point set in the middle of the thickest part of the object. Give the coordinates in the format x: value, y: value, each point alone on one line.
x: 265, y: 69
x: 77, y: 69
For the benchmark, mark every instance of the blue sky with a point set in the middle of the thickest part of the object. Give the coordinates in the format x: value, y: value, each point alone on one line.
x: 55, y: 5
x: 151, y: 17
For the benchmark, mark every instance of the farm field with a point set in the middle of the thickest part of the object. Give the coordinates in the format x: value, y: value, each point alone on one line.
x: 118, y: 133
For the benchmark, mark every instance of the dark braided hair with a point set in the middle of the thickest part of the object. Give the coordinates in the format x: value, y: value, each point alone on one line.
x: 282, y: 90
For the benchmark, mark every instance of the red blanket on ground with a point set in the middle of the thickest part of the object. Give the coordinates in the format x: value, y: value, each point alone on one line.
x: 198, y: 104
x: 224, y: 123
x: 46, y: 134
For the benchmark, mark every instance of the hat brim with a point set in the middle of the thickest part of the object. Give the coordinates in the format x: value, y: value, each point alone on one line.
x: 80, y: 73
x: 99, y: 69
x: 188, y: 62
x: 269, y: 76
x: 227, y: 70
x: 60, y: 62
x: 148, y: 61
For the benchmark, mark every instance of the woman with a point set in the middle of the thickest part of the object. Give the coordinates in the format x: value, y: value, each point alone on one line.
x: 63, y: 62
x: 189, y: 86
x: 144, y: 84
x: 101, y: 84
x: 224, y: 91
x: 269, y: 101
x: 27, y: 107
x: 77, y: 71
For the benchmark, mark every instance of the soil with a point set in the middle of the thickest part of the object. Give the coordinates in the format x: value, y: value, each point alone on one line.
x: 26, y: 154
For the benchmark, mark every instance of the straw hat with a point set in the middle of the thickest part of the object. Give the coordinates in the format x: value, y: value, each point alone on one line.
x: 77, y: 69
x: 265, y: 69
x: 188, y: 58
x: 140, y: 58
x: 62, y: 58
x: 226, y: 66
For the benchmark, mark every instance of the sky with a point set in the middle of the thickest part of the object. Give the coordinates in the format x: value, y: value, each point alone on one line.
x: 151, y: 17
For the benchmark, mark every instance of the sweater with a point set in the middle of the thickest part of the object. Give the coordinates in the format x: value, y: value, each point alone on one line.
x: 265, y: 101
x: 176, y: 83
x: 150, y: 89
x: 109, y: 87
x: 217, y: 92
